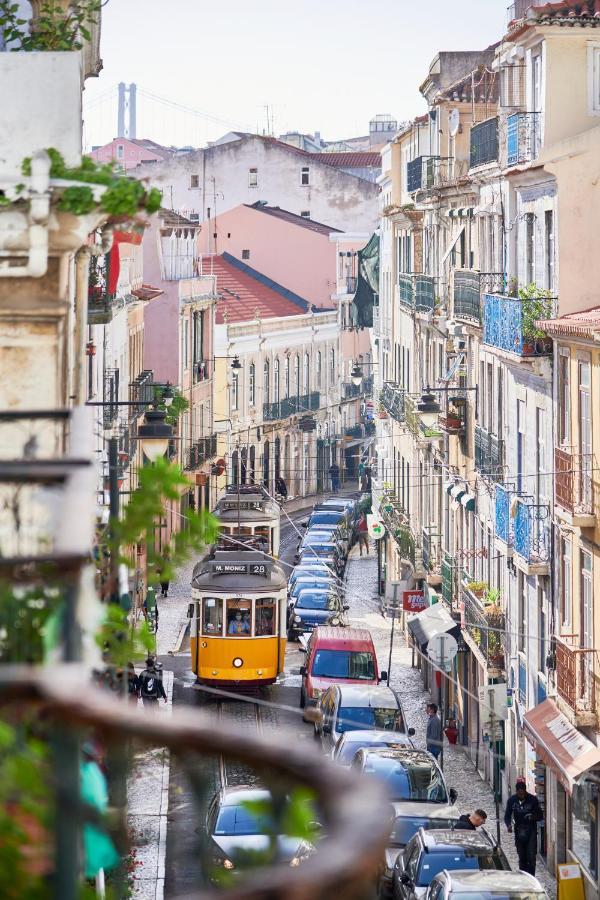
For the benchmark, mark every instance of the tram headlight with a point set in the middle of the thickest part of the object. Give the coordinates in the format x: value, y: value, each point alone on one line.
x: 238, y: 662
x: 297, y: 618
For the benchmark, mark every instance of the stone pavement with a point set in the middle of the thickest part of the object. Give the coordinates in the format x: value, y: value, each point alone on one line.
x: 459, y: 771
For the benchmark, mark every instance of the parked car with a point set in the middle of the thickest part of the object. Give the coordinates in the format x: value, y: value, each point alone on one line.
x: 313, y: 607
x: 237, y: 833
x: 430, y: 852
x: 407, y: 774
x: 319, y: 544
x: 334, y: 655
x: 485, y: 885
x: 313, y: 582
x: 329, y: 554
x: 315, y: 567
x: 407, y: 818
x: 332, y: 533
x: 327, y: 516
x: 352, y: 741
x: 350, y: 707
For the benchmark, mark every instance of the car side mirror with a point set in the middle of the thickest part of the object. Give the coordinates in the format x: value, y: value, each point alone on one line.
x: 453, y: 794
x: 405, y: 878
x: 303, y: 670
x: 190, y: 612
x: 411, y: 732
x: 326, y: 728
x: 383, y: 676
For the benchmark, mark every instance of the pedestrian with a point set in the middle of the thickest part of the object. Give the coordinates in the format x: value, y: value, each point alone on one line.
x: 334, y: 474
x: 523, y: 812
x: 150, y: 685
x: 362, y: 530
x: 434, y: 731
x: 472, y: 821
x: 281, y: 487
x: 132, y: 682
x: 164, y: 568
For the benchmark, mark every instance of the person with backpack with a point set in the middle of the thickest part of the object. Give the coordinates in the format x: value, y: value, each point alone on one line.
x: 151, y: 685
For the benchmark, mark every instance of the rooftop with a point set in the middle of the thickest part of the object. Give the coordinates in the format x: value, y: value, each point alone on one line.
x: 293, y: 218
x: 245, y: 294
x: 365, y: 159
x: 585, y: 323
x: 172, y: 219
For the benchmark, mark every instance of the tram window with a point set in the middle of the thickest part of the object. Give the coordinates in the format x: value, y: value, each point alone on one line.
x: 265, y: 532
x: 212, y: 617
x: 265, y: 616
x: 239, y: 617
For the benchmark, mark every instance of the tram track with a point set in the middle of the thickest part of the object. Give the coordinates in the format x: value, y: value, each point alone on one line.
x: 242, y: 713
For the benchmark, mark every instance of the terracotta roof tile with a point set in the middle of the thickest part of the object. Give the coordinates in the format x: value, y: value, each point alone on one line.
x: 146, y: 292
x: 293, y: 218
x: 172, y: 219
x: 585, y: 323
x: 368, y: 159
x: 245, y: 294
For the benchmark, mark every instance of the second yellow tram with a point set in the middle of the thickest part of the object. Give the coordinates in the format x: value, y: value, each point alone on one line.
x: 249, y: 511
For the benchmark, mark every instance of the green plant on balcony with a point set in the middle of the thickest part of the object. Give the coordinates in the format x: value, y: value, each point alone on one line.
x: 477, y: 588
x: 535, y: 306
x: 178, y: 405
x: 56, y: 25
x: 491, y: 597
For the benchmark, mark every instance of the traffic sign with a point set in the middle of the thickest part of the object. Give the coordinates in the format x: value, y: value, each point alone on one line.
x: 441, y: 650
x: 375, y: 526
x: 492, y: 702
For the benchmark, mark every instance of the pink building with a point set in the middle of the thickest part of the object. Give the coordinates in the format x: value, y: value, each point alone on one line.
x: 131, y: 152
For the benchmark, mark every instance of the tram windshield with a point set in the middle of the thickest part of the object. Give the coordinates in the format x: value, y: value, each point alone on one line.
x: 212, y: 616
x: 239, y: 618
x: 265, y: 616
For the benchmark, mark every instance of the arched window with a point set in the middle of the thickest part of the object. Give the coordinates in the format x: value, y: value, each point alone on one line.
x: 267, y: 382
x: 286, y: 376
x: 297, y: 374
x: 252, y: 384
x: 307, y: 373
x: 276, y: 380
x: 318, y: 371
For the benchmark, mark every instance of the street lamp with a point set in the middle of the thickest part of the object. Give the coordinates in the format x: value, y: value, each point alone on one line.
x: 428, y: 409
x: 356, y: 375
x: 236, y: 364
x: 168, y: 395
x: 155, y: 434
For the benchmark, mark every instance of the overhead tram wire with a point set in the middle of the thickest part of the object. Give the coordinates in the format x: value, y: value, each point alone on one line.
x: 229, y: 123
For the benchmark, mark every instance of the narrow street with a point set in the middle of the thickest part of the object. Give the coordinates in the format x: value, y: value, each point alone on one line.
x: 168, y: 839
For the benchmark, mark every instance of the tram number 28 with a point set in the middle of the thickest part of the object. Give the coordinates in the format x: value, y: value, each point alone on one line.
x: 258, y: 569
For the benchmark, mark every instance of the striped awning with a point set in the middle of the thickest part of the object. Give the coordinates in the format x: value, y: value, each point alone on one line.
x: 468, y: 501
x: 461, y: 212
x: 457, y: 492
x: 448, y: 486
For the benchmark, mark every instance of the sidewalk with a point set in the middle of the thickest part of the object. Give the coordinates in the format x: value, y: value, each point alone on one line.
x: 459, y: 771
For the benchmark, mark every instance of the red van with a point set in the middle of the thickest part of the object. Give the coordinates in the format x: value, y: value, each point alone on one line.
x: 337, y: 655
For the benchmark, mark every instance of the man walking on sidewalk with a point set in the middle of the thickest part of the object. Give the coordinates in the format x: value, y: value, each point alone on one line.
x: 434, y: 731
x: 363, y: 534
x: 151, y: 685
x: 524, y: 811
x: 334, y: 474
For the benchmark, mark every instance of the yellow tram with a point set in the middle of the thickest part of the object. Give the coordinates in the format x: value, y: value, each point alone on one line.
x: 248, y: 510
x: 238, y: 619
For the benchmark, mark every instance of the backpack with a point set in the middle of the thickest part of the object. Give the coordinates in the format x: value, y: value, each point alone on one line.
x: 149, y: 688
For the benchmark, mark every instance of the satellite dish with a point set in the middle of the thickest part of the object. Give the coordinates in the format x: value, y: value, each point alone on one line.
x: 454, y: 122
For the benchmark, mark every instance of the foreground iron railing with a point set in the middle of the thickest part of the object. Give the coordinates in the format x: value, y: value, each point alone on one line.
x: 486, y: 626
x: 532, y: 530
x: 353, y: 810
x: 489, y: 454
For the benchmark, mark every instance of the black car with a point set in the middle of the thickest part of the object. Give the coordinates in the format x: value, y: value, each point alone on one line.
x: 431, y: 852
x: 313, y: 607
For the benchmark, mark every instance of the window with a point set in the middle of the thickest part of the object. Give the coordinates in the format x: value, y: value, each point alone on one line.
x: 198, y: 337
x: 564, y: 398
x: 585, y: 430
x: 586, y: 634
x: 521, y: 426
x: 267, y: 382
x: 194, y: 181
x: 252, y: 178
x: 584, y: 824
x: 186, y: 343
x: 245, y: 254
x: 339, y: 664
x: 565, y: 582
x: 286, y: 376
x: 305, y: 213
x: 212, y: 616
x: 305, y: 175
x: 318, y: 371
x: 252, y: 384
x: 120, y: 151
x: 332, y: 367
x: 239, y: 618
x: 276, y: 381
x: 297, y: 374
x: 265, y: 616
x: 306, y: 373
x: 235, y: 387
x: 522, y: 621
x: 529, y: 248
x: 593, y: 79
x: 549, y: 241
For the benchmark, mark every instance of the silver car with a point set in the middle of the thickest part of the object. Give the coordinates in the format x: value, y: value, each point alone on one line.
x: 352, y: 741
x: 485, y: 885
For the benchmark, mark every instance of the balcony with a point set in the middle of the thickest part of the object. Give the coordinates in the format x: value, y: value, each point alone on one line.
x: 489, y: 454
x: 350, y: 391
x: 358, y: 431
x: 575, y: 682
x: 141, y: 391
x: 469, y: 285
x: 532, y: 536
x: 432, y: 549
x: 448, y: 567
x: 201, y: 451
x: 503, y: 521
x: 414, y: 174
x: 412, y: 420
x: 523, y: 137
x: 453, y: 420
x: 509, y: 324
x: 484, y: 142
x: 392, y: 400
x: 574, y: 487
x: 485, y: 624
x: 101, y: 303
x: 291, y: 406
x: 417, y: 291
x: 201, y: 370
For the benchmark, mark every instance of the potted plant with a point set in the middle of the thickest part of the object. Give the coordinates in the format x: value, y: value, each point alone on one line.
x: 477, y: 588
x: 535, y: 307
x: 491, y: 597
x: 454, y: 420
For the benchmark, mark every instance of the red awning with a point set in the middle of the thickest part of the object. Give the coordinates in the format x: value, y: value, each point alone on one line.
x: 119, y: 237
x: 562, y: 747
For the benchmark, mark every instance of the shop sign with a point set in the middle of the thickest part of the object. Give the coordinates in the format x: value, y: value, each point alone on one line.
x: 414, y: 601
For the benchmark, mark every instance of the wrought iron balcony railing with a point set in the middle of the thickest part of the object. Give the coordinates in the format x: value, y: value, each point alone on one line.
x: 509, y: 324
x: 431, y: 548
x: 349, y: 390
x: 503, y: 521
x: 484, y: 142
x: 575, y: 674
x: 291, y: 406
x: 489, y: 454
x: 574, y: 485
x: 101, y: 303
x: 469, y: 285
x: 392, y: 400
x: 201, y: 451
x: 523, y: 137
x: 453, y: 420
x: 417, y: 291
x: 486, y: 626
x: 414, y: 174
x: 110, y: 397
x: 448, y: 569
x: 532, y: 531
x: 141, y: 391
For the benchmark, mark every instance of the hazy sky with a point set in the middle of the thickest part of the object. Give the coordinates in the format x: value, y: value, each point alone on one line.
x: 326, y: 65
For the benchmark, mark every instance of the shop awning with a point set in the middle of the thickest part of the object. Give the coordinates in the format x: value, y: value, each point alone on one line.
x: 468, y: 501
x: 434, y: 620
x: 457, y: 492
x: 448, y: 486
x: 559, y: 744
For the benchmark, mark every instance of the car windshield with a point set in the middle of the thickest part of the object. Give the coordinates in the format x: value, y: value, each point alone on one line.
x: 307, y: 583
x: 331, y: 518
x: 349, y: 749
x: 358, y: 665
x: 356, y: 718
x: 499, y: 895
x: 407, y: 779
x: 241, y: 820
x: 316, y: 600
x: 406, y: 827
x: 433, y: 863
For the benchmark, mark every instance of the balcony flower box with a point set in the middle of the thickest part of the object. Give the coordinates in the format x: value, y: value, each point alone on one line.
x: 477, y: 588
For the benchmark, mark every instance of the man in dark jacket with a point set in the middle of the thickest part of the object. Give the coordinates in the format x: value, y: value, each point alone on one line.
x: 471, y: 822
x: 523, y: 811
x: 151, y: 685
x: 434, y: 731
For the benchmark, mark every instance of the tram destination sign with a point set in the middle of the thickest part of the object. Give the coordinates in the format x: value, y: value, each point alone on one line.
x: 251, y: 568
